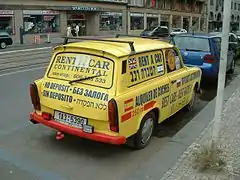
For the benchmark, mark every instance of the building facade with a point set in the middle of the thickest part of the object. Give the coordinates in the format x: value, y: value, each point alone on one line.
x: 216, y: 15
x: 97, y: 17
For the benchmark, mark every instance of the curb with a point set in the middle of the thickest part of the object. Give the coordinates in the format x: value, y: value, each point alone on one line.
x: 162, y: 161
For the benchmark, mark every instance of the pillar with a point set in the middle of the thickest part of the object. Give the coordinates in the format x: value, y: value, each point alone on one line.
x: 18, y: 15
x: 129, y: 21
x: 145, y: 20
x: 199, y: 24
x: 159, y: 19
x: 181, y: 22
x: 190, y: 24
x: 125, y: 21
x: 63, y: 23
x: 170, y: 22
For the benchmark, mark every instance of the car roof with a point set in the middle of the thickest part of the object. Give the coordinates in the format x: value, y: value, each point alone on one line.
x: 122, y: 49
x: 199, y: 35
x: 4, y: 33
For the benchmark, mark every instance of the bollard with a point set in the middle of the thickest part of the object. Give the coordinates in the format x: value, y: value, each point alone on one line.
x: 21, y: 33
x: 48, y: 38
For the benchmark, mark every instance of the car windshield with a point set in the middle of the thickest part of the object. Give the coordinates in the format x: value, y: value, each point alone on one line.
x: 150, y: 28
x: 176, y: 30
x: 3, y: 33
x: 82, y: 68
x: 192, y: 43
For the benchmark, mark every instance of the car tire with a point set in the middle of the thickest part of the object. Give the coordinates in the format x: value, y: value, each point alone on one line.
x: 189, y: 107
x: 232, y: 69
x: 3, y: 45
x: 141, y: 138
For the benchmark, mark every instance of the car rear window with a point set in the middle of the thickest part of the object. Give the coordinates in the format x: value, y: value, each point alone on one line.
x: 72, y: 66
x: 192, y: 43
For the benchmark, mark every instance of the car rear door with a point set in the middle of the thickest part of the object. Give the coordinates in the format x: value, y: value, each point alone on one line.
x: 177, y: 75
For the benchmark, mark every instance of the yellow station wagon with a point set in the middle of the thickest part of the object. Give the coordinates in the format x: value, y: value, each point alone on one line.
x: 111, y: 90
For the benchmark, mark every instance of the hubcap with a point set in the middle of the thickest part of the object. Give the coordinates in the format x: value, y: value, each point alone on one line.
x: 147, y: 130
x: 3, y: 45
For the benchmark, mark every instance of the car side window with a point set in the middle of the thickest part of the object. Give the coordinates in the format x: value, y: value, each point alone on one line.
x: 218, y: 43
x: 232, y: 39
x: 172, y: 60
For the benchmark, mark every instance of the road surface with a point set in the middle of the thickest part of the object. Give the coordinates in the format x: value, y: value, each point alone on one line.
x: 31, y: 152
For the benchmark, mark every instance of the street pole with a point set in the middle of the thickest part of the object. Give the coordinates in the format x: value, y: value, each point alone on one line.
x: 222, y: 72
x: 207, y: 15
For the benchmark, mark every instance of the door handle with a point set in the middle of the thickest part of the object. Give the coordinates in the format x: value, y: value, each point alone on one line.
x: 173, y: 81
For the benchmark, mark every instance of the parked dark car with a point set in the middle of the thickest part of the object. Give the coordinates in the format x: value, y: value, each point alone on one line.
x: 234, y: 42
x: 203, y: 50
x: 156, y: 31
x: 5, y: 40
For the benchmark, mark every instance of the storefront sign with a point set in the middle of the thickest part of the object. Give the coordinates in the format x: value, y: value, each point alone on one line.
x: 48, y: 18
x: 114, y: 1
x: 137, y: 14
x: 152, y: 15
x: 85, y: 8
x: 115, y: 14
x: 39, y: 12
x: 6, y: 13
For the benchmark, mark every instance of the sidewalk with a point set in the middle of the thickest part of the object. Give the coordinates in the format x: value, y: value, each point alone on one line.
x: 229, y: 142
x: 59, y: 40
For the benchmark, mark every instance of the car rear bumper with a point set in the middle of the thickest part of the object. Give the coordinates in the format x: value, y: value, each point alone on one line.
x: 208, y: 70
x: 100, y: 137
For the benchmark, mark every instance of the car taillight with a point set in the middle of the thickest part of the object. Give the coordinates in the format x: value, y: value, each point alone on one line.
x: 46, y: 115
x: 209, y: 59
x: 113, y: 115
x: 34, y: 96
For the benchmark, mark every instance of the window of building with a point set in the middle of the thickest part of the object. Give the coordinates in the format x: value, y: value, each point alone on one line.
x: 7, y: 21
x: 235, y: 6
x: 137, y: 21
x: 110, y: 21
x: 136, y: 3
x: 151, y: 3
x: 239, y: 7
x: 152, y: 20
x: 164, y: 4
x: 38, y: 21
x: 231, y: 5
x: 211, y: 2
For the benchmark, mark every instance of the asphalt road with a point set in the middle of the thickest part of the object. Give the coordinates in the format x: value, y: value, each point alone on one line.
x: 31, y: 152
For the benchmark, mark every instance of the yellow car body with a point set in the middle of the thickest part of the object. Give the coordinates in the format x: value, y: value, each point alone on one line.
x: 113, y: 89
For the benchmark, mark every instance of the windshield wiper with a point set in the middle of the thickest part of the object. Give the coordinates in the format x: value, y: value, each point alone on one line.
x: 193, y: 50
x: 83, y: 79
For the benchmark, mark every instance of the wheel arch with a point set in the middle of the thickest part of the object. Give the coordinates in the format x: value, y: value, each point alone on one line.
x: 156, y: 112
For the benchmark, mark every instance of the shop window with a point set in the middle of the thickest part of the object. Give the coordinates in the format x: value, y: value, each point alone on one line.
x: 152, y: 22
x: 6, y: 25
x: 41, y: 23
x: 110, y: 21
x: 7, y: 21
x: 137, y: 21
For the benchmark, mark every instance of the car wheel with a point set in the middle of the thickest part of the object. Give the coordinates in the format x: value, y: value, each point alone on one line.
x: 233, y: 65
x: 189, y: 107
x: 3, y: 45
x: 144, y: 134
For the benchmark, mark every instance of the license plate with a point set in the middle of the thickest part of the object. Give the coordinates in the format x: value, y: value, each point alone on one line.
x: 69, y: 119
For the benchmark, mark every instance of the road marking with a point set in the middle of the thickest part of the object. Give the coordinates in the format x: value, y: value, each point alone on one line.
x: 25, y: 50
x: 20, y: 71
x: 30, y: 167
